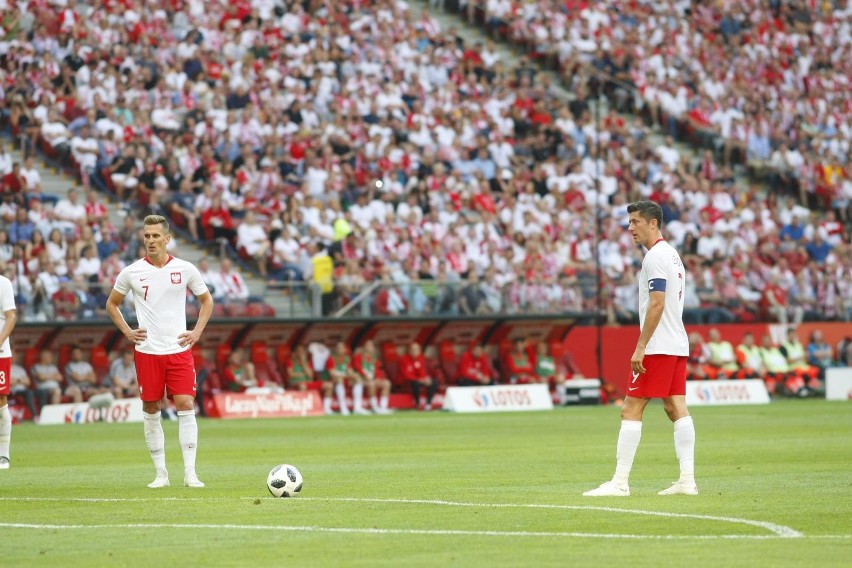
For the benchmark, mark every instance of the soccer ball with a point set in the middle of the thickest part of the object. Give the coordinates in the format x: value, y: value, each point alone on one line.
x: 284, y: 481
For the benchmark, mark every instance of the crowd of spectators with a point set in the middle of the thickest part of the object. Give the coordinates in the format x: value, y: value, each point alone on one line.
x: 768, y: 81
x: 354, y: 142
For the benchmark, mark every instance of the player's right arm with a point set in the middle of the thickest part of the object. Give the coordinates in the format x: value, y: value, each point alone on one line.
x: 113, y: 308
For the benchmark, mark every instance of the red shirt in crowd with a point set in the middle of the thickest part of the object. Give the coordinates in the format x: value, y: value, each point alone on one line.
x: 520, y: 365
x: 412, y: 368
x: 363, y: 362
x: 471, y: 367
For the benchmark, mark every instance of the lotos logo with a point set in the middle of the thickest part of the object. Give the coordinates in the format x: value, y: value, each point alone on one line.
x: 480, y: 398
x: 176, y: 278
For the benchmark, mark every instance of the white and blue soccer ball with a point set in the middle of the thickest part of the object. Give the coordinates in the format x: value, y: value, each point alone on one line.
x: 284, y: 481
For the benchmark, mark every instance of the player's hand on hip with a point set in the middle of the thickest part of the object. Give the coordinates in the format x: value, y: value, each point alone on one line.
x: 188, y: 338
x: 137, y: 336
x: 636, y: 362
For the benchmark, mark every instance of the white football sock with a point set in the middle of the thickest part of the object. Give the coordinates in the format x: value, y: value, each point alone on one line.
x: 384, y: 401
x: 628, y: 442
x: 5, y: 430
x: 357, y: 396
x: 684, y: 440
x: 326, y: 404
x: 188, y: 435
x: 340, y: 391
x: 155, y: 439
x: 374, y: 403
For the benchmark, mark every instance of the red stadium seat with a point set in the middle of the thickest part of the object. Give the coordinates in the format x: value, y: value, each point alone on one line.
x: 222, y: 352
x: 64, y: 357
x: 390, y: 359
x: 100, y: 362
x: 448, y: 360
x: 259, y: 353
x: 31, y: 357
x: 282, y: 357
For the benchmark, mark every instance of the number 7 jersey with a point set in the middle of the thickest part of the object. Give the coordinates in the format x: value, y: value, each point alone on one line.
x: 663, y: 271
x: 159, y: 295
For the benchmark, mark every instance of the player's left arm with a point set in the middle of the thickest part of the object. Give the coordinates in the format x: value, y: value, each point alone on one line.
x: 190, y: 338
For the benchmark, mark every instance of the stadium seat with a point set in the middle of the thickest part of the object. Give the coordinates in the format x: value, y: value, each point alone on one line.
x: 100, y: 362
x: 236, y: 310
x: 390, y: 359
x: 31, y: 357
x: 64, y: 357
x: 259, y: 353
x: 557, y: 350
x: 282, y: 357
x: 222, y: 352
x: 448, y: 360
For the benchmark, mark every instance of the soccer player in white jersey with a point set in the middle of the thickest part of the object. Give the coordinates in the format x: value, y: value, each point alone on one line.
x: 8, y: 318
x: 164, y: 363
x: 659, y: 361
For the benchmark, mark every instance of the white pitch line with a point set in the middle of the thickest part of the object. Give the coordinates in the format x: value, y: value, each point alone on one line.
x: 778, y: 530
x: 376, y: 531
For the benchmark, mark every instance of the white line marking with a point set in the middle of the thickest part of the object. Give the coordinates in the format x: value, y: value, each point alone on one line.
x: 430, y: 532
x: 777, y: 530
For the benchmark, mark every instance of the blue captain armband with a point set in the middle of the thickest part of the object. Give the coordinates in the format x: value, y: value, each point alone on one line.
x: 657, y: 285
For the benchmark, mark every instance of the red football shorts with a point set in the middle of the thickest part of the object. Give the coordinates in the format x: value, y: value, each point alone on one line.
x: 664, y: 376
x: 165, y: 374
x: 5, y: 375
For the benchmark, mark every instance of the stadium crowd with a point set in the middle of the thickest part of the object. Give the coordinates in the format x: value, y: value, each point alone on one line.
x: 767, y: 81
x: 354, y: 142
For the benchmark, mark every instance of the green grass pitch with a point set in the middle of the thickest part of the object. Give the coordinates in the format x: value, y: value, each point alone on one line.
x: 417, y: 489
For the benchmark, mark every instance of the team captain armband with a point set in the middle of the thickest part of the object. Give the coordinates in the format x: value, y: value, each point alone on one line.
x: 657, y: 285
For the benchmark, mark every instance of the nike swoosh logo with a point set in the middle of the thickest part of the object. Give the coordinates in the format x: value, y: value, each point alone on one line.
x: 142, y: 279
x: 632, y: 388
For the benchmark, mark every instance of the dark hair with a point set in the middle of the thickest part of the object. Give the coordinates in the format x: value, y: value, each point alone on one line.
x: 647, y: 210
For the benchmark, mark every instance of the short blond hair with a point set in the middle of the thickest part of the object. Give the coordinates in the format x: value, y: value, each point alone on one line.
x: 157, y: 220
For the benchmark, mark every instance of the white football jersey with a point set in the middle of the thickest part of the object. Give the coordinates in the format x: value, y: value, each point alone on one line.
x: 7, y: 302
x: 159, y: 295
x: 662, y: 270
